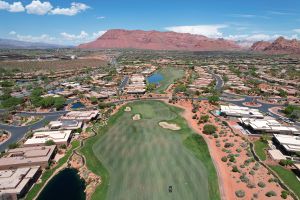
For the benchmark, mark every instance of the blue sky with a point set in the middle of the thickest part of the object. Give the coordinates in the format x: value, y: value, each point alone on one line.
x: 74, y: 22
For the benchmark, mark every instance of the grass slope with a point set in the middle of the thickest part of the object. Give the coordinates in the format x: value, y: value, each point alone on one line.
x: 259, y: 148
x: 288, y: 177
x: 170, y: 74
x: 142, y: 159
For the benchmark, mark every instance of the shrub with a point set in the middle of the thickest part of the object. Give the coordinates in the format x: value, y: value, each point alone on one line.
x: 287, y: 162
x: 252, y: 172
x: 228, y: 144
x: 244, y: 178
x: 261, y: 184
x: 240, y: 193
x: 49, y: 143
x: 284, y: 194
x: 232, y: 159
x: 224, y: 159
x: 235, y: 168
x: 251, y: 185
x: 238, y: 150
x: 209, y: 129
x: 215, y: 135
x: 271, y: 193
x: 13, y: 145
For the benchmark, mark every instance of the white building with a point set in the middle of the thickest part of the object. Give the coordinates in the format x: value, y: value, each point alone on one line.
x: 40, y: 138
x: 81, y: 115
x: 238, y: 111
x: 290, y: 143
x: 268, y: 126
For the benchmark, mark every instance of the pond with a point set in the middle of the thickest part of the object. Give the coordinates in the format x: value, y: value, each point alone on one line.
x: 155, y: 78
x: 66, y: 185
x: 77, y: 105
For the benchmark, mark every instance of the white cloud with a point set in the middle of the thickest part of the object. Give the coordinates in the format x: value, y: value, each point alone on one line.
x: 101, y: 17
x: 38, y: 8
x: 14, y: 7
x: 297, y: 30
x: 12, y: 33
x: 42, y: 8
x: 73, y: 10
x: 206, y: 30
x: 4, y: 5
x: 40, y: 38
x: 98, y: 34
x: 72, y: 37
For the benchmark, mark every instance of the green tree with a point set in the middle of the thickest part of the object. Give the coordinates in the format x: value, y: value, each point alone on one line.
x: 214, y: 99
x: 49, y: 143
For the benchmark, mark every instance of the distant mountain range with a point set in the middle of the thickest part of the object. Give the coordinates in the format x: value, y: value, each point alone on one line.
x: 155, y: 40
x: 16, y: 44
x: 279, y: 46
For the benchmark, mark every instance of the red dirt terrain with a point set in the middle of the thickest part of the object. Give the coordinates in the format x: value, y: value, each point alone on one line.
x: 280, y: 46
x: 155, y: 40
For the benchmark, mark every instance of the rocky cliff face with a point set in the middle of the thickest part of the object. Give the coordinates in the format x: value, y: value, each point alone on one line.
x: 280, y: 45
x: 155, y: 40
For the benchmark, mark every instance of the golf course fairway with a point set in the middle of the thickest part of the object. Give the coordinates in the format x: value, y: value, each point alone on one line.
x: 138, y: 159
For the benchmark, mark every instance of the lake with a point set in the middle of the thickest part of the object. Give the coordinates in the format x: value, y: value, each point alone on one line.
x: 66, y: 185
x: 155, y: 78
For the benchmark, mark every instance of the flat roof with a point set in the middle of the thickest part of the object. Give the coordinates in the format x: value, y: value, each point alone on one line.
x: 289, y: 142
x: 43, y: 136
x: 26, y: 155
x: 13, y: 181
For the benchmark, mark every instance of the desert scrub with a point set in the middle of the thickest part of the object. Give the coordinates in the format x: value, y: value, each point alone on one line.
x: 240, y: 193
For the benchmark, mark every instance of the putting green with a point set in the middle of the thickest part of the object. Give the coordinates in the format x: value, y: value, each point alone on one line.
x: 144, y: 159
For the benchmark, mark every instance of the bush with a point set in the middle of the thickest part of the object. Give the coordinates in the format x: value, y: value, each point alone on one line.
x: 284, y: 194
x: 240, y: 193
x: 224, y: 159
x: 235, y: 169
x: 271, y: 194
x: 232, y: 159
x: 209, y: 129
x: 13, y: 145
x: 252, y: 172
x: 261, y: 184
x: 244, y: 178
x: 287, y: 162
x: 228, y: 144
x: 49, y: 143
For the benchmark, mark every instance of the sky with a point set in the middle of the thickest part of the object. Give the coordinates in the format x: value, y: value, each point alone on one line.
x: 72, y: 22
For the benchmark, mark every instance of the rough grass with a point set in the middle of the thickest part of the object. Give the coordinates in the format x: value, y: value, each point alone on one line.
x: 288, y: 177
x: 142, y: 159
x: 170, y: 74
x: 48, y: 173
x: 259, y: 148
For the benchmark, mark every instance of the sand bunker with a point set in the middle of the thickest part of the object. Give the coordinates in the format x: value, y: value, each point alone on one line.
x: 136, y: 117
x: 127, y: 109
x: 173, y: 127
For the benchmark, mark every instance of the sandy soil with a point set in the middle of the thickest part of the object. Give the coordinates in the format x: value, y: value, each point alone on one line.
x: 136, y: 117
x: 127, y: 109
x: 166, y: 125
x: 230, y: 181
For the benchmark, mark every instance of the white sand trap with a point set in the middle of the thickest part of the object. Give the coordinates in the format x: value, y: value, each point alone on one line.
x: 136, y: 117
x: 166, y: 125
x: 127, y: 109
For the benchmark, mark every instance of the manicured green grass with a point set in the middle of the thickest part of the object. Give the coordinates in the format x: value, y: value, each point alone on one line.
x: 288, y: 177
x: 48, y: 173
x: 198, y: 146
x: 140, y: 160
x: 259, y: 148
x: 170, y: 74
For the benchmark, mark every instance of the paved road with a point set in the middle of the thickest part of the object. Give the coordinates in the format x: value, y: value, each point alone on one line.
x: 18, y: 132
x: 123, y: 83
